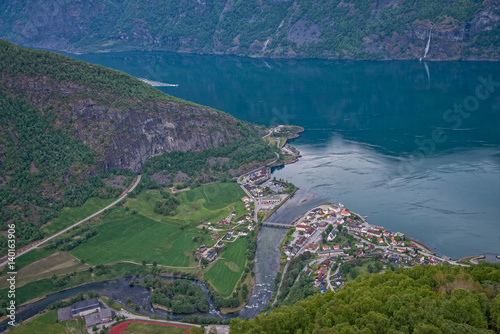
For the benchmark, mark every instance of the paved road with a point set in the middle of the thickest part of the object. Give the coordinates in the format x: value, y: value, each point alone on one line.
x: 328, y: 277
x: 76, y: 224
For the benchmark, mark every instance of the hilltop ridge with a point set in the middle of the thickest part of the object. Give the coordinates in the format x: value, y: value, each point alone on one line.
x: 333, y: 29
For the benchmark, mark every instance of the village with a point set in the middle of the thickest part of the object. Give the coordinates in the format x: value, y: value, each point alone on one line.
x: 341, y: 240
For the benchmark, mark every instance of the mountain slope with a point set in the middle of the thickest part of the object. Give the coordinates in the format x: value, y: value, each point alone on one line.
x: 66, y: 125
x: 417, y: 300
x: 351, y: 29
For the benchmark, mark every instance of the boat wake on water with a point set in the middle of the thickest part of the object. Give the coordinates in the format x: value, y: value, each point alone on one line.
x: 157, y: 83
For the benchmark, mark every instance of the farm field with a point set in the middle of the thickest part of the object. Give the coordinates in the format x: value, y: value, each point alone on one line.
x: 124, y: 236
x: 208, y: 203
x: 47, y: 323
x: 59, y: 263
x: 146, y: 235
x: 30, y: 257
x: 69, y: 216
x: 226, y: 272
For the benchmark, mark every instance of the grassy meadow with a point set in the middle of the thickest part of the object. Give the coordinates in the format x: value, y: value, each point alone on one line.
x: 139, y: 233
x: 208, y: 203
x: 225, y: 273
x: 124, y: 236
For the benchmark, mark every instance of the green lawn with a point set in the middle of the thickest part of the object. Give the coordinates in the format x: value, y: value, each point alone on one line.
x: 226, y: 272
x: 124, y: 236
x: 69, y: 216
x: 47, y: 323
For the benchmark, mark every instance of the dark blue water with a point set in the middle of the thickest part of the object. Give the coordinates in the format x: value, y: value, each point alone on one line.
x: 384, y: 138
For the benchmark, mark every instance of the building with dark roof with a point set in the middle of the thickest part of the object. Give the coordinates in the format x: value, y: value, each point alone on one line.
x: 85, y: 307
x: 104, y: 315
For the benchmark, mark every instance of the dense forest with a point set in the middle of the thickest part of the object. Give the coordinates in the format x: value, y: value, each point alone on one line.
x: 218, y: 163
x: 352, y: 29
x: 181, y: 296
x: 418, y: 300
x: 35, y: 160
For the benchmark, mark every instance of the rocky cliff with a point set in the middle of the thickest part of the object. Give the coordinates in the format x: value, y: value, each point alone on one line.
x: 354, y: 29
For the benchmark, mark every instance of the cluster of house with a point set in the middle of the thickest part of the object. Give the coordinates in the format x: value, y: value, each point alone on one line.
x: 231, y: 235
x: 246, y: 202
x: 259, y: 176
x: 316, y: 219
x: 389, y: 248
x: 370, y: 231
x: 273, y: 195
x: 92, y: 310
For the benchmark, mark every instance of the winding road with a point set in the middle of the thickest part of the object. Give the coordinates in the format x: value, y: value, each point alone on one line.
x: 138, y: 179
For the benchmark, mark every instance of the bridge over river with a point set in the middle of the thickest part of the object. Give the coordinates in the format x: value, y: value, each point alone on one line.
x: 271, y: 224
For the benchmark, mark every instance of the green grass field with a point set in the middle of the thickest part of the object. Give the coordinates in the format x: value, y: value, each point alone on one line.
x: 142, y: 328
x: 47, y: 323
x: 210, y: 202
x: 124, y: 236
x: 226, y: 272
x: 69, y: 216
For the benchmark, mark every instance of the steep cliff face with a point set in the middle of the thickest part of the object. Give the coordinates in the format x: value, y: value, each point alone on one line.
x: 356, y: 29
x: 125, y: 137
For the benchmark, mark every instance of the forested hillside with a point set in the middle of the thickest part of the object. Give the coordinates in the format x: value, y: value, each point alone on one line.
x: 417, y: 300
x: 68, y: 128
x: 347, y: 29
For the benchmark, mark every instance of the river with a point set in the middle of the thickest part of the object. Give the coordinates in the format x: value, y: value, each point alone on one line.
x: 372, y: 137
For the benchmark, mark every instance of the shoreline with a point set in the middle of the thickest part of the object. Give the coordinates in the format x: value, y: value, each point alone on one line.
x: 251, y: 56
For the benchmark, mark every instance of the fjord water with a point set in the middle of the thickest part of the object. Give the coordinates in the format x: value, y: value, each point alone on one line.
x: 368, y: 130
